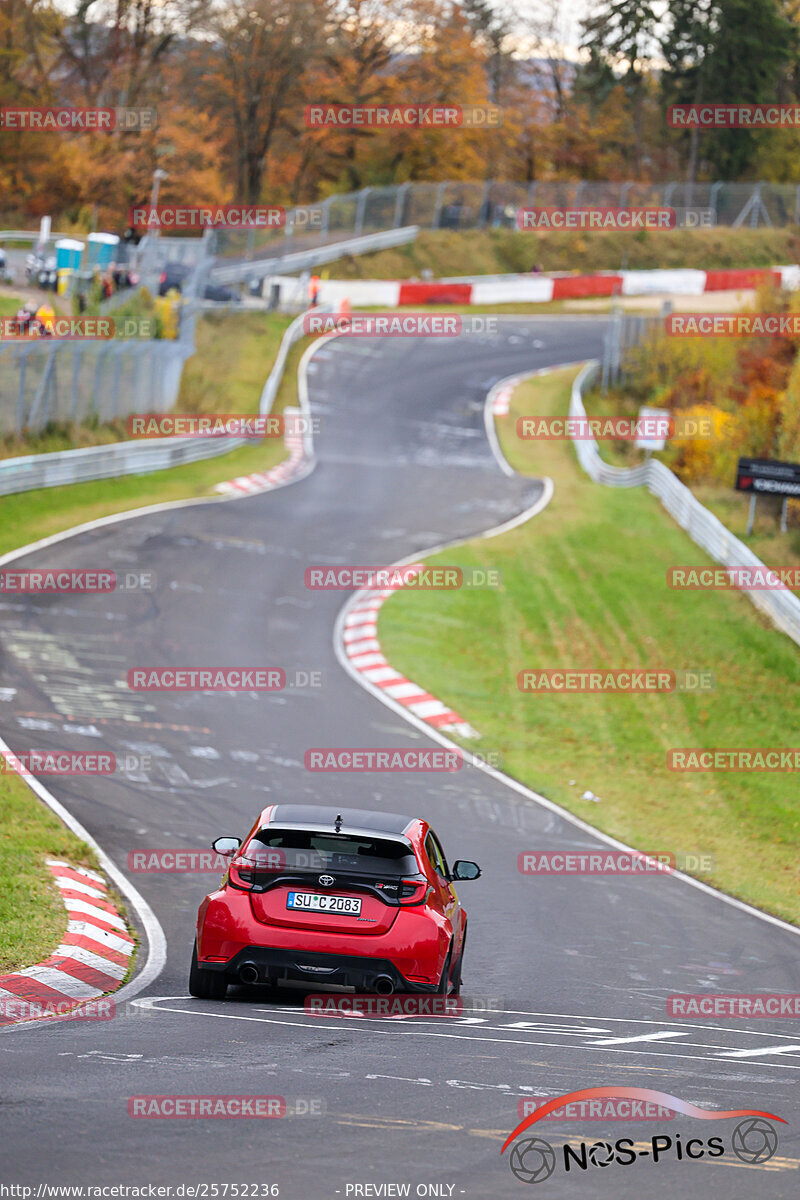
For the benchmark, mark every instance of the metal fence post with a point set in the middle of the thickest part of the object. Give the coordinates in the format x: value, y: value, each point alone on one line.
x: 326, y: 218
x: 23, y: 362
x: 76, y: 372
x: 42, y: 398
x: 437, y: 210
x: 360, y: 206
x: 399, y: 205
x: 117, y: 369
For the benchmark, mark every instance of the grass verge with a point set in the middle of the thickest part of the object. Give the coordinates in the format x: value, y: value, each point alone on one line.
x: 228, y: 372
x: 33, y: 919
x: 584, y: 586
x: 502, y: 251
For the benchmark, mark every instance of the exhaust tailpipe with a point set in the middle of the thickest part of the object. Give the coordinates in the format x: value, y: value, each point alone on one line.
x: 248, y: 973
x: 384, y: 985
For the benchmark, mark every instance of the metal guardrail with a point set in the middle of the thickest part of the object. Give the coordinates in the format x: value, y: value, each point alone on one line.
x: 706, y: 530
x: 301, y: 260
x: 135, y: 457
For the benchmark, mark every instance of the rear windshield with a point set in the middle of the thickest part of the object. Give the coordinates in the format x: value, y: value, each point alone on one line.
x: 299, y: 849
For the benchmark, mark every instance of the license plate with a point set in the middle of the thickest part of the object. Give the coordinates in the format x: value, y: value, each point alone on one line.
x: 310, y: 902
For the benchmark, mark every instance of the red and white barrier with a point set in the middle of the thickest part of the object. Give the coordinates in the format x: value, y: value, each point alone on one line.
x: 540, y: 289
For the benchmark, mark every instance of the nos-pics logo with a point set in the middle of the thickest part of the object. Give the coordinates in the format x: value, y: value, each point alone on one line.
x: 533, y: 1160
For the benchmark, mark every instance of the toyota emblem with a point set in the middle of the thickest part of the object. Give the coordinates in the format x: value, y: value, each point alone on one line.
x: 327, y: 880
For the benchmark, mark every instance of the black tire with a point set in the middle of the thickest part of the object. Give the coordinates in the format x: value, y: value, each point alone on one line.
x: 457, y: 972
x: 206, y: 985
x: 443, y: 988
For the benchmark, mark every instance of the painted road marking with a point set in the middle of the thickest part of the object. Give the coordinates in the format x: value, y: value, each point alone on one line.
x: 642, y: 1037
x: 762, y: 1050
x: 447, y: 1027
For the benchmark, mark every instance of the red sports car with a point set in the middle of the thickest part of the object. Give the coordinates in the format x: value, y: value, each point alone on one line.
x: 333, y: 896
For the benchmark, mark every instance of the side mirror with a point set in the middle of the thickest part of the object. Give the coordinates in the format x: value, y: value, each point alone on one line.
x: 464, y: 869
x: 227, y: 846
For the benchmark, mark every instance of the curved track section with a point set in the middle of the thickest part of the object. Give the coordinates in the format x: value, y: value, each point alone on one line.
x: 579, y: 970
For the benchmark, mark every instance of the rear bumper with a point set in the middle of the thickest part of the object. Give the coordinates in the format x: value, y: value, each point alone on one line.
x: 317, y: 970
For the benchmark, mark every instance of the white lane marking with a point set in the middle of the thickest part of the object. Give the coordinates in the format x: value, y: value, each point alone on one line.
x: 404, y: 1030
x: 642, y: 1037
x: 403, y: 1079
x: 756, y: 1053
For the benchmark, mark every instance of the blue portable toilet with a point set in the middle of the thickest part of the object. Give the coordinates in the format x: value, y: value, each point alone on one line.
x: 68, y: 254
x: 102, y: 249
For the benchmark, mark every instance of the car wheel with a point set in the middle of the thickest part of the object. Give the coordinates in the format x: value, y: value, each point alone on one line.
x: 457, y: 977
x: 444, y: 983
x: 206, y: 985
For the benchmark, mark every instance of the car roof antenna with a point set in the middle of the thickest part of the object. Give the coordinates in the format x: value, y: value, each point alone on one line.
x: 338, y: 822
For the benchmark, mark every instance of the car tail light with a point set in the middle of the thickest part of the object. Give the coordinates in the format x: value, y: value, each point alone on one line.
x: 242, y: 873
x: 413, y: 891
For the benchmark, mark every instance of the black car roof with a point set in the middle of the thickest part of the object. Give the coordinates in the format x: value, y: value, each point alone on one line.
x: 323, y: 816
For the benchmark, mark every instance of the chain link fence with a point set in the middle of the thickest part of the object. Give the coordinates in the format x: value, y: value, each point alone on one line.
x: 494, y: 203
x: 54, y: 380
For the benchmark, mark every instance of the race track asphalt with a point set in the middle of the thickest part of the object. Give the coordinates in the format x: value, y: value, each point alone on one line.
x: 578, y: 969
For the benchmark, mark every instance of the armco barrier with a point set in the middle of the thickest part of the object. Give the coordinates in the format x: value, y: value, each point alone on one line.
x: 303, y: 260
x: 134, y: 457
x: 706, y: 530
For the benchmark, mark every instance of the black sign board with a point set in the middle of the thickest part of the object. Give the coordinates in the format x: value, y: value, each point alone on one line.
x: 768, y: 477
